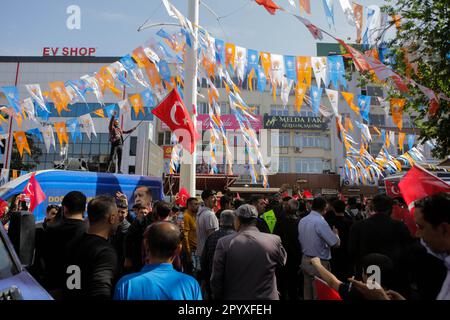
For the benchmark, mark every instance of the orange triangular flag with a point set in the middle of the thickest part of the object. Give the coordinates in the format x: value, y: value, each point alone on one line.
x: 14, y: 174
x: 304, y: 70
x: 300, y: 91
x: 141, y: 58
x: 230, y: 54
x: 401, y: 139
x: 348, y: 124
x: 153, y: 75
x: 19, y: 120
x: 59, y: 96
x: 99, y: 112
x: 349, y: 99
x: 61, y: 132
x: 377, y: 131
x: 137, y: 104
x: 397, y: 106
x: 388, y: 140
x: 21, y: 142
x: 107, y: 81
x: 250, y: 79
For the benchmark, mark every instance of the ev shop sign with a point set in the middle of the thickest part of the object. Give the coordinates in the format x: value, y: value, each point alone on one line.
x: 69, y: 51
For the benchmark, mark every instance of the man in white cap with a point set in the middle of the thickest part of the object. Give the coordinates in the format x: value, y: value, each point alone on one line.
x: 244, y: 263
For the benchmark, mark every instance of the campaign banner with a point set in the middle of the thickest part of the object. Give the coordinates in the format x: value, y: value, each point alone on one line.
x: 294, y: 122
x: 229, y: 122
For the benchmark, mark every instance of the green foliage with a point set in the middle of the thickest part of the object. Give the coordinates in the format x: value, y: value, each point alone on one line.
x: 424, y: 38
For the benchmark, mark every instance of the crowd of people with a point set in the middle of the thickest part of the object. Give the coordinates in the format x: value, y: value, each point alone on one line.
x: 225, y: 249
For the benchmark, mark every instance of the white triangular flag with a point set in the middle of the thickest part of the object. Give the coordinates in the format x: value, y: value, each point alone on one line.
x: 35, y: 92
x: 93, y: 84
x: 86, y: 122
x: 49, y: 137
x: 241, y: 59
x: 285, y: 90
x: 348, y: 11
x: 28, y: 106
x: 4, y: 178
x: 392, y: 137
x: 333, y: 95
x: 276, y: 71
x: 319, y: 66
x: 292, y: 3
x: 124, y: 107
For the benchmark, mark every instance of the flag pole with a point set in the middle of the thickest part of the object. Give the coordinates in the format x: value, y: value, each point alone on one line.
x: 188, y: 161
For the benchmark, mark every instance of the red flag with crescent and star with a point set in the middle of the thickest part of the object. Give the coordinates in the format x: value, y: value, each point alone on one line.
x: 392, y: 189
x: 34, y: 192
x: 174, y: 114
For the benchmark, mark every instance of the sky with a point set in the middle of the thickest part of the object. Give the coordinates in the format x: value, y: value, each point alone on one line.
x: 111, y: 26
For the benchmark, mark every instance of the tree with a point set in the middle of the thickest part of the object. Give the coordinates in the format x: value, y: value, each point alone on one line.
x: 422, y: 50
x: 17, y: 162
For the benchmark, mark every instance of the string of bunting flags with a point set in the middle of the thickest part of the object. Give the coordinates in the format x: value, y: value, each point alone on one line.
x: 158, y: 68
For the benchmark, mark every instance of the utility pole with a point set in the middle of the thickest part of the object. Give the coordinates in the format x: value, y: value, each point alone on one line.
x: 188, y: 161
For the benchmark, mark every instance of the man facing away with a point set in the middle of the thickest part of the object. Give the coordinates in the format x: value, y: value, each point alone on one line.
x: 227, y: 223
x: 316, y: 239
x: 158, y: 280
x: 116, y: 139
x: 190, y: 235
x: 93, y: 254
x: 245, y: 262
x: 56, y: 237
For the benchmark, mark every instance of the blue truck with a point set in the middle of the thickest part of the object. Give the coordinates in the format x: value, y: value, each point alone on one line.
x: 57, y: 183
x: 16, y: 283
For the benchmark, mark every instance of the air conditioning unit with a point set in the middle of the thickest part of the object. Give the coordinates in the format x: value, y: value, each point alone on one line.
x: 298, y: 150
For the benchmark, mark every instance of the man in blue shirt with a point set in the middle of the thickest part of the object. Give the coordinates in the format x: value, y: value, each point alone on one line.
x: 316, y: 238
x: 158, y: 280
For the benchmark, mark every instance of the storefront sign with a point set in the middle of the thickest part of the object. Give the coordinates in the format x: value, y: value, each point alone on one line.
x: 229, y: 122
x: 293, y: 122
x: 69, y: 51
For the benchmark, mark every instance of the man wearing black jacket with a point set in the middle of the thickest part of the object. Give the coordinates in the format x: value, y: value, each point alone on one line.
x: 381, y: 234
x: 56, y: 237
x: 95, y: 257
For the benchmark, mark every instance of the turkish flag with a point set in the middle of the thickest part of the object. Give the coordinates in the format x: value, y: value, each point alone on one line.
x: 269, y: 5
x: 174, y: 114
x: 419, y: 183
x: 392, y: 189
x: 34, y: 192
x: 3, y: 206
x: 324, y: 291
x: 181, y: 197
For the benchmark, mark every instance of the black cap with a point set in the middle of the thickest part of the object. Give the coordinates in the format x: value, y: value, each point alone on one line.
x: 208, y: 193
x: 175, y: 208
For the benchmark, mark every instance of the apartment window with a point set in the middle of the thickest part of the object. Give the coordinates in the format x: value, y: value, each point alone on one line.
x: 311, y: 140
x: 297, y: 139
x: 131, y: 169
x: 309, y: 165
x: 224, y: 108
x: 279, y: 110
x: 377, y: 119
x: 284, y: 139
x: 164, y: 138
x: 133, y: 146
x: 202, y: 108
x: 284, y: 165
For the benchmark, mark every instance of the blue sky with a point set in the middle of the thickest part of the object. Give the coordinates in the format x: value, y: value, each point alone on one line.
x: 111, y: 25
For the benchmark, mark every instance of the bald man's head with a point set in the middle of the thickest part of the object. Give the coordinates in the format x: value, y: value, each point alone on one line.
x: 163, y: 239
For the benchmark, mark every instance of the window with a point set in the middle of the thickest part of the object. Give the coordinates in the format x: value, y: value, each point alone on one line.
x: 284, y: 139
x: 133, y: 146
x: 164, y: 138
x: 375, y: 92
x: 284, y: 165
x: 311, y: 140
x: 408, y: 122
x: 377, y: 120
x: 279, y: 110
x: 95, y: 152
x: 224, y: 108
x: 309, y: 165
x: 202, y: 108
x: 131, y: 169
